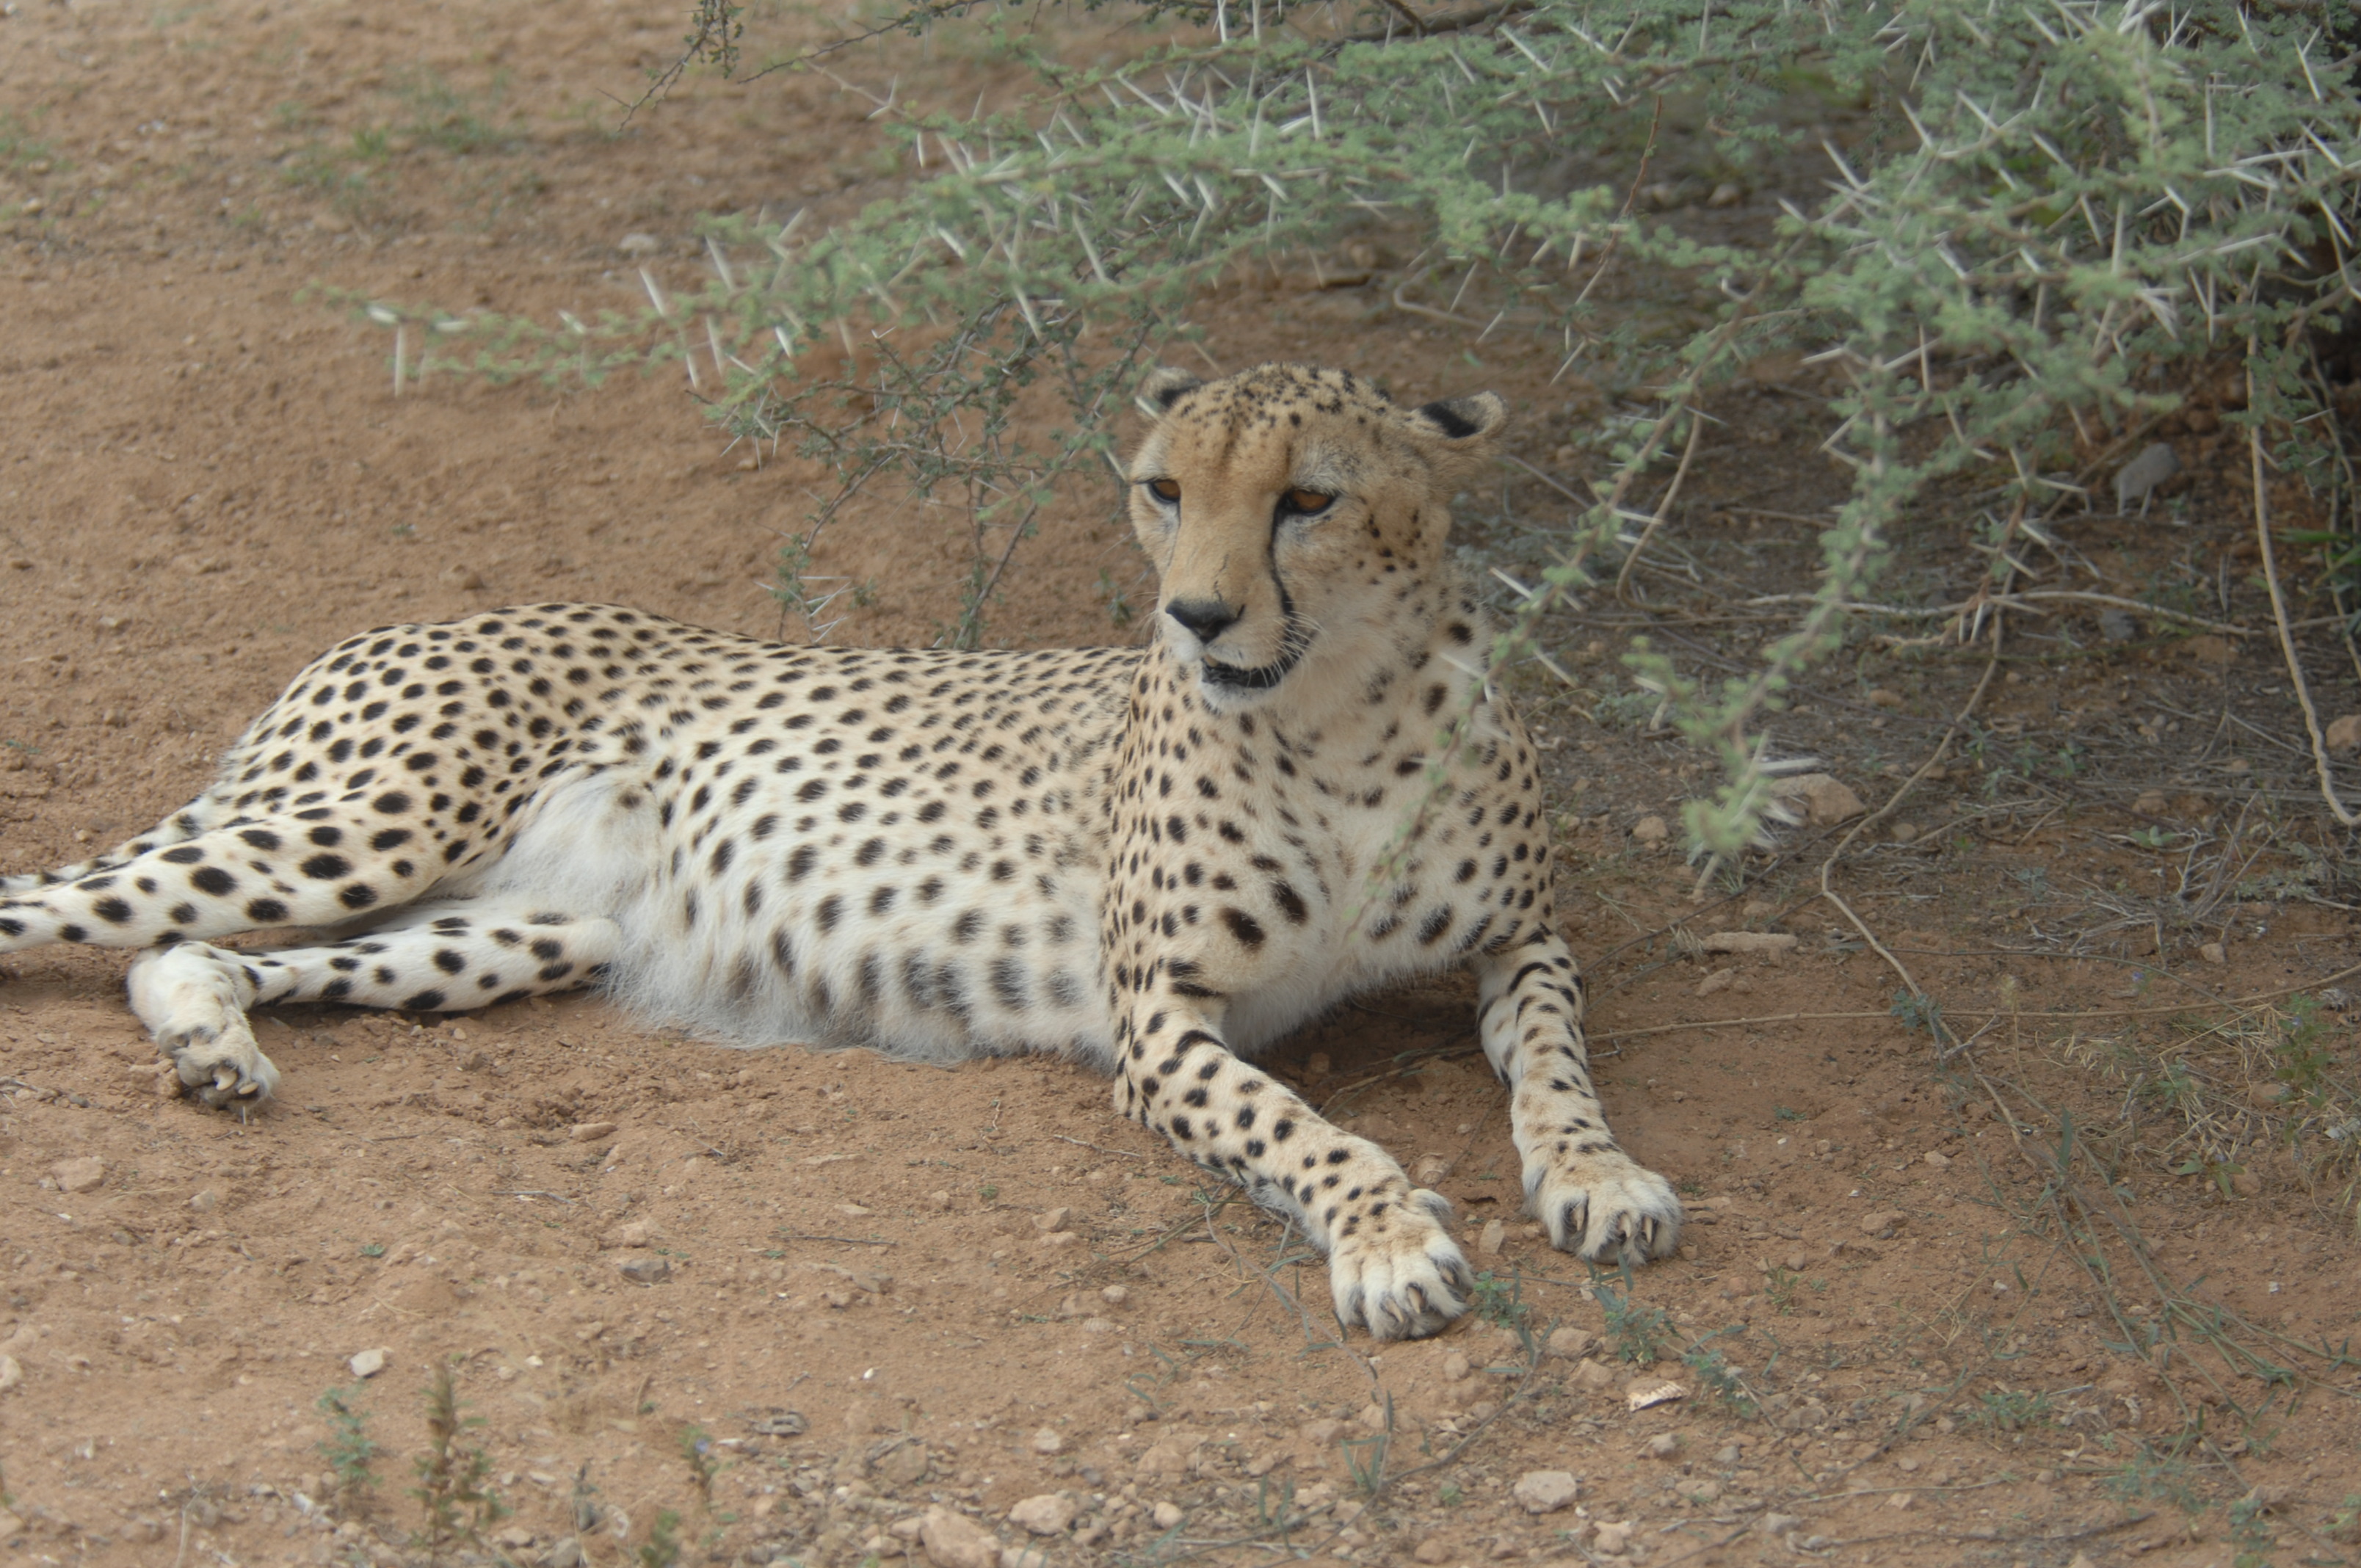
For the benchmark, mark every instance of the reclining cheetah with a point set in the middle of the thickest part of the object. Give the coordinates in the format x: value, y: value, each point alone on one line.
x: 1155, y: 860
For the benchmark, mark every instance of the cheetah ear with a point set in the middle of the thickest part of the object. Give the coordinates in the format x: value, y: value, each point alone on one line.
x: 1163, y: 387
x: 1470, y: 422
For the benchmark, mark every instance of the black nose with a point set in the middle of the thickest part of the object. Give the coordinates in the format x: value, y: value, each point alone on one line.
x: 1205, y: 618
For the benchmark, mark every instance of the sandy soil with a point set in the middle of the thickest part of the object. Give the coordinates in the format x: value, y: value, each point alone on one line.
x: 745, y: 1307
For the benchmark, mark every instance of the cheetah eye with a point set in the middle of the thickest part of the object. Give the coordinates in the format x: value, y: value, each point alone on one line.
x: 1165, y: 490
x: 1305, y: 503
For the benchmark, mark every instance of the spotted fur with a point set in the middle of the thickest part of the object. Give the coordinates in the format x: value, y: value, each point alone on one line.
x: 1157, y: 861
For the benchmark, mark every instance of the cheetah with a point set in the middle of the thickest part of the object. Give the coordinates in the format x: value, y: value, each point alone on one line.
x: 1157, y: 860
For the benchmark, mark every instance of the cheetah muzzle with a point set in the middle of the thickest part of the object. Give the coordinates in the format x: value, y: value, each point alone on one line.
x: 1158, y: 859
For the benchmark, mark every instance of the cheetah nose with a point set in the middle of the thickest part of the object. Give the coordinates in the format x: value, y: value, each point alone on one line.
x: 1204, y: 618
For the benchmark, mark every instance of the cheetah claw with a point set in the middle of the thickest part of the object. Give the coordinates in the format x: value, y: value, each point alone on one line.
x: 1607, y: 1208
x: 1408, y: 1281
x: 221, y: 1067
x: 191, y: 1002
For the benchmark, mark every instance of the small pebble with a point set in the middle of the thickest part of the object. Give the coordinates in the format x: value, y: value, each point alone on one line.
x: 367, y: 1363
x: 1166, y: 1515
x: 1048, y: 1440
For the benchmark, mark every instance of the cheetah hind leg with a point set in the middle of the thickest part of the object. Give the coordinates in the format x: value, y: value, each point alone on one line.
x: 442, y: 956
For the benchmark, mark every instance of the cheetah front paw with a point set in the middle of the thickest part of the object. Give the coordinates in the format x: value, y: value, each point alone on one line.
x: 1605, y: 1207
x: 1400, y: 1273
x: 191, y: 999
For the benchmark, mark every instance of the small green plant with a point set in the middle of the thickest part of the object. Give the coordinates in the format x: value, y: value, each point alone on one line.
x: 987, y: 1192
x: 1717, y: 1377
x: 662, y: 1548
x: 1365, y: 1457
x: 1786, y: 1113
x: 2012, y: 1409
x: 2147, y: 1474
x: 2252, y: 1531
x: 373, y: 1249
x: 1501, y: 1301
x: 1919, y: 1012
x: 1449, y: 1495
x: 696, y: 1448
x: 2304, y: 1060
x: 1640, y: 1333
x: 18, y: 146
x: 1111, y: 594
x: 448, y: 117
x: 1779, y: 1288
x: 454, y: 1480
x: 349, y: 1448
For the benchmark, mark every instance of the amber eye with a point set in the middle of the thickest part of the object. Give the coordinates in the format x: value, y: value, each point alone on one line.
x: 1166, y: 490
x: 1305, y: 503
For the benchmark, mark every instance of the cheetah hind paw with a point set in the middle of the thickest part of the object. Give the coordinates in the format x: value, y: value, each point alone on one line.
x: 190, y: 999
x: 1607, y: 1208
x: 1406, y: 1281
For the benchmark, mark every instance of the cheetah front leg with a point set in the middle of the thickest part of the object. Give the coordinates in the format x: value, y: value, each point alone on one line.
x: 1391, y: 1264
x: 1597, y: 1201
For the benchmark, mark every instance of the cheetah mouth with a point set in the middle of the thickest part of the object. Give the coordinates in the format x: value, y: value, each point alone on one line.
x: 1229, y: 677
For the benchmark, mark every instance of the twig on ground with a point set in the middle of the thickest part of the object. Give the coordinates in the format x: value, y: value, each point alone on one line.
x: 1124, y: 1154
x: 1663, y: 509
x: 2055, y: 1014
x: 2280, y: 613
x: 2025, y: 600
x: 1827, y: 867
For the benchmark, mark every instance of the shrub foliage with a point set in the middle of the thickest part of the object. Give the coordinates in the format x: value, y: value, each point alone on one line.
x: 2054, y: 203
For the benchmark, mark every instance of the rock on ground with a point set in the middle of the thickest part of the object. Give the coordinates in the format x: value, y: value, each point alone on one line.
x: 954, y: 1541
x: 1545, y: 1491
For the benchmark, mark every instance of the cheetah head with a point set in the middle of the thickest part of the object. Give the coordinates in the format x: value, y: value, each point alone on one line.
x: 1297, y: 518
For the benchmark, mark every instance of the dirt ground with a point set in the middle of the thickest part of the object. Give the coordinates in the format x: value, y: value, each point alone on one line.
x: 2072, y: 1295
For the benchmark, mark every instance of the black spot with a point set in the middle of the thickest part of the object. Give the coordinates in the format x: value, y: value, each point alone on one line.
x: 212, y: 880
x: 391, y: 839
x: 265, y: 910
x: 448, y: 961
x: 1244, y: 927
x: 114, y: 911
x: 392, y: 803
x: 327, y: 868
x: 359, y: 896
x: 424, y: 1002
